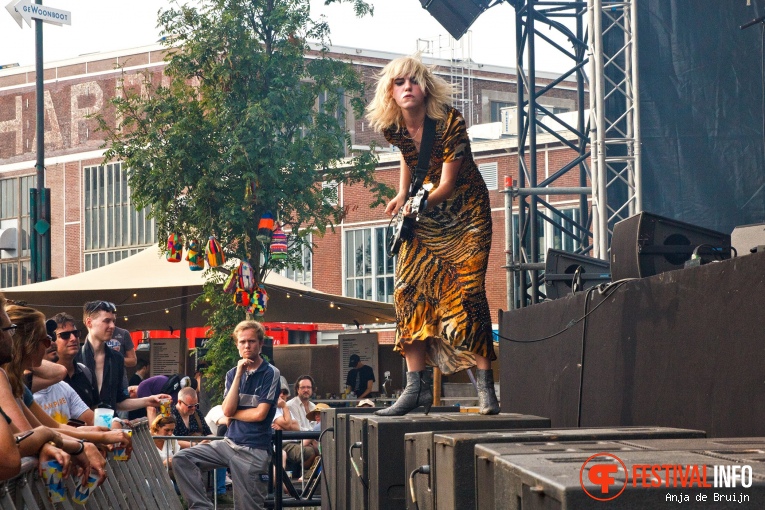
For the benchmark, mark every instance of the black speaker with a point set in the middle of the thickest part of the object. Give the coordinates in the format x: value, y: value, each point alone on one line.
x: 646, y: 244
x: 564, y: 270
x: 455, y: 16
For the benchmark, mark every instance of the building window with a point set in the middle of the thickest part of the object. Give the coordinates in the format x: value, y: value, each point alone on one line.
x: 369, y: 272
x: 489, y: 174
x: 330, y: 190
x: 114, y: 229
x: 14, y: 230
x: 304, y: 275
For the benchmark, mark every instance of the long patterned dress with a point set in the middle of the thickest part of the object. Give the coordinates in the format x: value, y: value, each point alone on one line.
x: 439, y: 293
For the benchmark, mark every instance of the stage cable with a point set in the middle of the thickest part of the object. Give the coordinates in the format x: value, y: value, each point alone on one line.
x: 604, y: 289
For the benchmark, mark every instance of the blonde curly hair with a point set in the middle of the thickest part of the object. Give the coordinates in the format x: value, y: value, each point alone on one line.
x: 383, y: 112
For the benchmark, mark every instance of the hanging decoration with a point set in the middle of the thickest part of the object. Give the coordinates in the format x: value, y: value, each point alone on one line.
x: 194, y: 256
x: 265, y: 228
x: 245, y: 276
x: 242, y: 297
x: 230, y: 285
x: 174, y: 248
x: 279, y: 244
x: 259, y: 302
x: 215, y: 256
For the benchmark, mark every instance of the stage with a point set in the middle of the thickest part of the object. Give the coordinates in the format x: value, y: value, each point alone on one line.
x: 682, y: 349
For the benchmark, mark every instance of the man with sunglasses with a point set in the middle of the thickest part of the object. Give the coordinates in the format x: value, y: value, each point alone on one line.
x: 106, y: 364
x: 66, y: 338
x: 188, y: 420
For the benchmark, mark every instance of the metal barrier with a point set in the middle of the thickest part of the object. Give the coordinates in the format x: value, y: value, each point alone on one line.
x: 143, y: 481
x: 140, y: 482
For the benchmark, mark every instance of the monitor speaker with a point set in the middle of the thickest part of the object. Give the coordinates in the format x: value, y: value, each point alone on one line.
x: 455, y: 16
x: 567, y: 272
x: 646, y: 244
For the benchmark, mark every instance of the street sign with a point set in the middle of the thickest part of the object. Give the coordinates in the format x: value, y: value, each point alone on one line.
x: 26, y: 10
x: 11, y: 8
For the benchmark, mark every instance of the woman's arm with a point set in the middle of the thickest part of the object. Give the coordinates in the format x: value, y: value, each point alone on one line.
x: 446, y: 185
x: 399, y: 200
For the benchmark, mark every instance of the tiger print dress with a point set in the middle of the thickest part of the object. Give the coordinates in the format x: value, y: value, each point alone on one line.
x: 439, y: 293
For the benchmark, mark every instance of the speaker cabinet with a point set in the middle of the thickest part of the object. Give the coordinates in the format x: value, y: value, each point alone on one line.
x: 455, y: 16
x: 564, y: 269
x: 646, y: 244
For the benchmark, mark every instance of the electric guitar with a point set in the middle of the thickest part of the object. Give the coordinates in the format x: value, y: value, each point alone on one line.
x: 403, y: 227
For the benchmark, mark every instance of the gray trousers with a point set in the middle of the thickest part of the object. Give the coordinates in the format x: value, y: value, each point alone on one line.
x: 249, y: 473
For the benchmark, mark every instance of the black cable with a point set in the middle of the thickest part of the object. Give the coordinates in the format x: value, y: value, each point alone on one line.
x: 581, y: 359
x: 353, y: 463
x: 326, y: 482
x: 603, y: 289
x: 425, y: 470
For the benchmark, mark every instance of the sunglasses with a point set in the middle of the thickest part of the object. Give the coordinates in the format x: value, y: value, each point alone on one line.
x: 96, y: 306
x: 10, y: 329
x: 65, y: 335
x: 195, y: 406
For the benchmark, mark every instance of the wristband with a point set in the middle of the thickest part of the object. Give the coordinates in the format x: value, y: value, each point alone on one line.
x: 81, y: 448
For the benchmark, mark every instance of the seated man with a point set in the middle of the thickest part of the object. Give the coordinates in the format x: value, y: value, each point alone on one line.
x: 302, y: 454
x: 249, y: 403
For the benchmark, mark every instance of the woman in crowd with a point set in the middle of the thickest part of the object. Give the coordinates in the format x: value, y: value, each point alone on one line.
x: 442, y: 314
x: 165, y: 426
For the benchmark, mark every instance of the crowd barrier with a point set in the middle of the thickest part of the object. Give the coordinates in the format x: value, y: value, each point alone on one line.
x: 140, y: 482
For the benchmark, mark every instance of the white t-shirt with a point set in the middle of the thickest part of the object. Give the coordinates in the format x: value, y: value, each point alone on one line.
x: 298, y: 412
x: 61, y: 402
x: 173, y: 447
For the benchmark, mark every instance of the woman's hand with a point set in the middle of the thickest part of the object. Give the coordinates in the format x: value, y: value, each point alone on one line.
x: 81, y: 466
x: 394, y: 205
x: 49, y: 452
x: 97, y: 461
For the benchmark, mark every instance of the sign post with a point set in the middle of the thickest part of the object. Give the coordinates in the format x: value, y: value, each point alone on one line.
x: 39, y: 197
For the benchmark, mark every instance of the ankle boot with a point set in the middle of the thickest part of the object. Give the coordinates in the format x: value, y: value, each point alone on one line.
x: 486, y: 396
x: 417, y: 393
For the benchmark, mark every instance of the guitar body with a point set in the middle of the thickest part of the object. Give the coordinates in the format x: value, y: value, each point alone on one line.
x: 403, y: 228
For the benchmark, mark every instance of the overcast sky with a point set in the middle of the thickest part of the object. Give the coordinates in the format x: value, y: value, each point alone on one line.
x: 104, y: 25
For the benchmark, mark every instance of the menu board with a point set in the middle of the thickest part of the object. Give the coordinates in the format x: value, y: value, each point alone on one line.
x: 166, y: 356
x: 363, y: 344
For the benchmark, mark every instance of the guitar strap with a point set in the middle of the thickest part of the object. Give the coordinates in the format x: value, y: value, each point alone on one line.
x: 423, y: 161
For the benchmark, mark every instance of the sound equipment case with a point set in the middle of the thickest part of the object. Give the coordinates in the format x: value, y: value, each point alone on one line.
x: 453, y: 454
x: 382, y: 450
x: 552, y: 482
x: 337, y: 468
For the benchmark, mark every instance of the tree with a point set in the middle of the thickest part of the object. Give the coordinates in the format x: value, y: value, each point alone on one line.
x: 236, y: 133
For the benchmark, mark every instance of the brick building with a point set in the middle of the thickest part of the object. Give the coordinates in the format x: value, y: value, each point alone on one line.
x: 94, y: 223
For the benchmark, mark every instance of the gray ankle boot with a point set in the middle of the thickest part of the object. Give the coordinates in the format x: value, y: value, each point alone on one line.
x: 486, y: 396
x: 417, y: 393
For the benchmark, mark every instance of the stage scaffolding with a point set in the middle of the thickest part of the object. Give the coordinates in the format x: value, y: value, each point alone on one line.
x: 609, y: 190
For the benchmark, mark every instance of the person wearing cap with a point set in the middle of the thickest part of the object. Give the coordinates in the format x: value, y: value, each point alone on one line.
x: 315, y: 416
x: 366, y: 403
x: 360, y: 378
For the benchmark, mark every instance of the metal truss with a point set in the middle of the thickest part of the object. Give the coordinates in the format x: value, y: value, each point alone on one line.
x: 540, y: 22
x: 615, y: 117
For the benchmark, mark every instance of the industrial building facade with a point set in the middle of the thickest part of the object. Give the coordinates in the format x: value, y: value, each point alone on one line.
x: 94, y: 222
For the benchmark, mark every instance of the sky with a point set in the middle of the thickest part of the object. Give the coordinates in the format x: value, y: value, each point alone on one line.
x: 105, y: 25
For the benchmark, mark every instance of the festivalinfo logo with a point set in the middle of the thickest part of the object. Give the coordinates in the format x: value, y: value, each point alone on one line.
x: 610, y: 476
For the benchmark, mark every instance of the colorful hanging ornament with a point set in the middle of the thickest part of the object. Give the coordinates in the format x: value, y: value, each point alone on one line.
x: 265, y: 228
x: 174, y: 248
x: 259, y: 302
x: 215, y: 256
x: 279, y: 244
x: 194, y: 256
x: 229, y: 286
x: 245, y: 276
x: 242, y: 297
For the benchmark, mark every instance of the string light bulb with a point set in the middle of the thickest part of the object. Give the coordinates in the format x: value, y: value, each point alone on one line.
x: 331, y: 304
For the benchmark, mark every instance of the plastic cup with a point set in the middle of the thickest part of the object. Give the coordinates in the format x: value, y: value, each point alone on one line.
x: 121, y: 453
x: 51, y: 472
x: 82, y: 491
x: 103, y: 417
x: 165, y: 406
